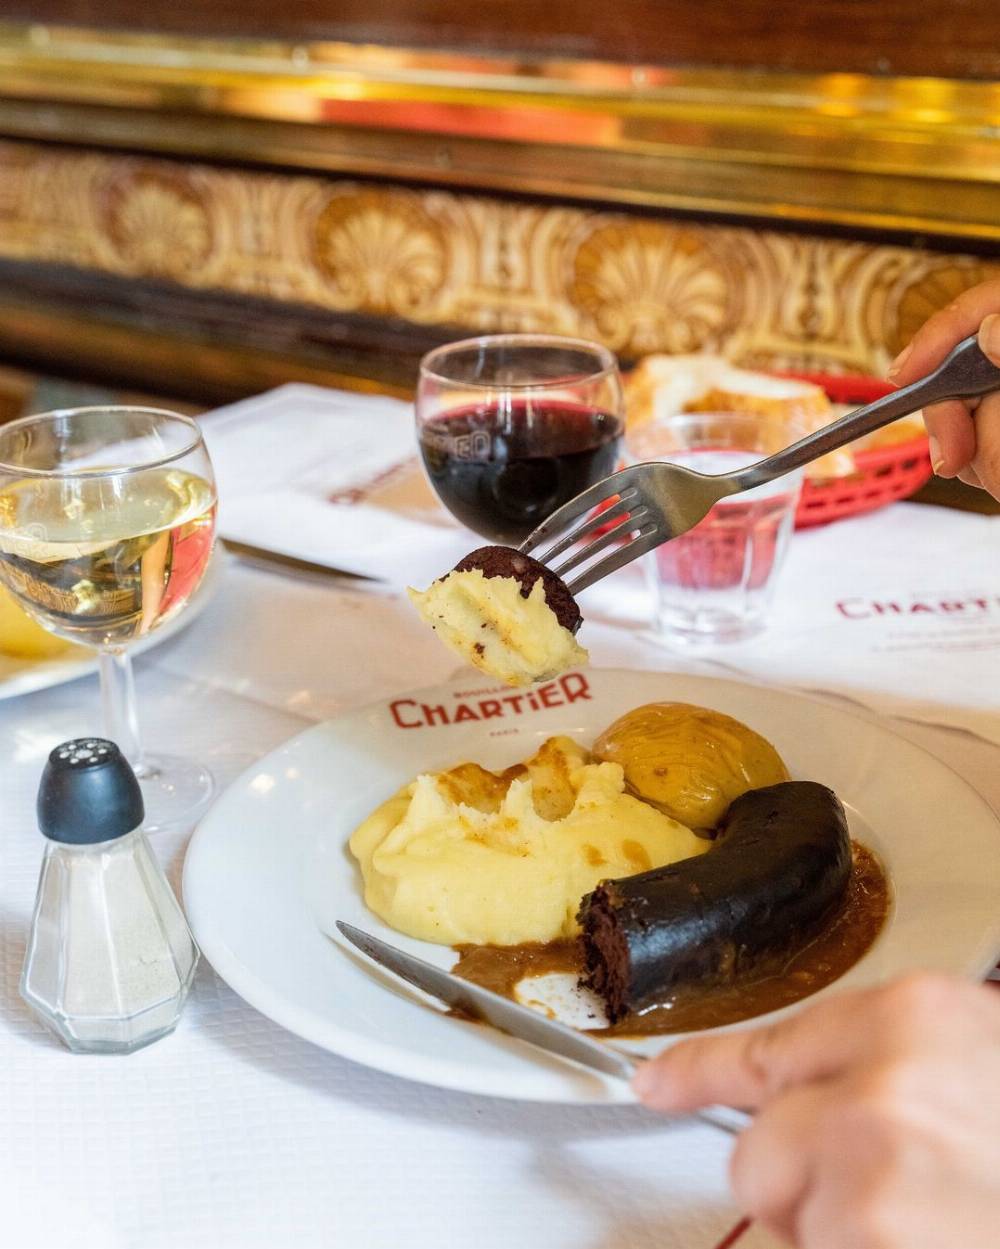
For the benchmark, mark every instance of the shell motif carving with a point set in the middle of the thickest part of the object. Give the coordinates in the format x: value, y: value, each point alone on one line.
x: 381, y: 252
x: 159, y: 225
x: 935, y: 288
x: 649, y: 287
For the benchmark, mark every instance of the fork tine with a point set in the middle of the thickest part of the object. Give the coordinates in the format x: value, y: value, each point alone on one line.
x: 648, y: 537
x: 627, y: 524
x: 592, y: 497
x: 592, y: 523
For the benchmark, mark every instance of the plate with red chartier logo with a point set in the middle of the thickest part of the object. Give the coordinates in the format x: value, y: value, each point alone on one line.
x: 268, y: 871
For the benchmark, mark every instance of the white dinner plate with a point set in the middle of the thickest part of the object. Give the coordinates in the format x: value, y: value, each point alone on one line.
x: 268, y: 872
x: 26, y: 676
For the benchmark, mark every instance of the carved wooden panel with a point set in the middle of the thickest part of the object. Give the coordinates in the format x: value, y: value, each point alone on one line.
x: 637, y: 282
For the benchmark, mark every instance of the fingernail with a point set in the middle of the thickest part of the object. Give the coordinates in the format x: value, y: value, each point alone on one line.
x: 937, y: 459
x: 989, y: 337
x: 900, y: 360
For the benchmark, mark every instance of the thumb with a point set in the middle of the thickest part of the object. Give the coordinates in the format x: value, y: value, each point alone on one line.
x: 989, y: 337
x: 748, y: 1068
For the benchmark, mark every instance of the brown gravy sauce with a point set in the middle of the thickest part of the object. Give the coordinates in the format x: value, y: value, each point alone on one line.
x: 788, y: 978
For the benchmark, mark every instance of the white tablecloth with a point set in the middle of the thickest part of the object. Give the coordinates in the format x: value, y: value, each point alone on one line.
x: 233, y: 1132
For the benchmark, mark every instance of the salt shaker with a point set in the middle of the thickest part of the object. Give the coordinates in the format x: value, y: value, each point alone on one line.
x: 110, y: 959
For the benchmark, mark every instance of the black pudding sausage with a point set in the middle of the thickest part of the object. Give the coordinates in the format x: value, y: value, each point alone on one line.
x: 780, y: 864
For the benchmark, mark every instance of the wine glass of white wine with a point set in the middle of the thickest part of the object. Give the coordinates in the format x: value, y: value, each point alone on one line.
x: 107, y: 523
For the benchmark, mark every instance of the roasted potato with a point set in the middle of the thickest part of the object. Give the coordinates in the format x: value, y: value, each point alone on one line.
x: 688, y: 761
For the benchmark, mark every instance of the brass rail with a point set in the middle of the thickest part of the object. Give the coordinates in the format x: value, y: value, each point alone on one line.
x: 900, y: 154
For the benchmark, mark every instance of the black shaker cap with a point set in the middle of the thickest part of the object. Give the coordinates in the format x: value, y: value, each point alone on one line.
x: 88, y: 793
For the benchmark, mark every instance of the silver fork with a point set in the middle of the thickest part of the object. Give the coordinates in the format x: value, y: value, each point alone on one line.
x: 648, y: 504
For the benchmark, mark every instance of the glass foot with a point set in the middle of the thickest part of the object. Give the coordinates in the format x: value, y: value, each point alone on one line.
x: 176, y: 791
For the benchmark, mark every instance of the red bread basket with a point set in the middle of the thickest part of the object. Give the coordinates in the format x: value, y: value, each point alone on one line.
x: 884, y: 474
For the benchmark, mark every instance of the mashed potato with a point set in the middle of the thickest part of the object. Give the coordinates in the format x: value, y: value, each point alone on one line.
x: 472, y: 857
x: 490, y: 623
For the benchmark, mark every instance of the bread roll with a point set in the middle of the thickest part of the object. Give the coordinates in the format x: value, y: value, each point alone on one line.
x: 662, y: 386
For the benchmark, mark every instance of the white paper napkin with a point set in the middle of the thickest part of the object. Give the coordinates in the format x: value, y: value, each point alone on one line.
x: 332, y: 477
x: 306, y: 438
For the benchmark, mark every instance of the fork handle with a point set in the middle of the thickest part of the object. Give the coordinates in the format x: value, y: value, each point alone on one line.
x: 964, y: 373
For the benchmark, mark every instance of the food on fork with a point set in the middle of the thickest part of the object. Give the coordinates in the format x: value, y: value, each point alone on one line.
x: 689, y: 762
x: 505, y: 613
x: 21, y: 637
x: 780, y: 866
x: 504, y: 858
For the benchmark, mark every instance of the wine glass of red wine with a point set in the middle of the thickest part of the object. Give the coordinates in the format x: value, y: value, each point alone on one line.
x: 512, y: 426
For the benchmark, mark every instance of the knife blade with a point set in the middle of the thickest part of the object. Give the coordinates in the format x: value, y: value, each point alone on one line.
x: 515, y: 1020
x: 275, y: 561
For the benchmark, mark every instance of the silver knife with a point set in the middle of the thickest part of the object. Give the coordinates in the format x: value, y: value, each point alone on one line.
x: 516, y: 1020
x: 275, y: 561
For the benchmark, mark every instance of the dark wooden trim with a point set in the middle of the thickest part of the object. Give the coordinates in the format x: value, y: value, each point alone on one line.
x: 959, y: 38
x: 208, y: 346
x: 950, y: 492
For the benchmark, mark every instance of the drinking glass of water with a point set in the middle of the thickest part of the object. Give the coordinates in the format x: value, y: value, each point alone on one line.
x: 512, y: 426
x: 715, y: 583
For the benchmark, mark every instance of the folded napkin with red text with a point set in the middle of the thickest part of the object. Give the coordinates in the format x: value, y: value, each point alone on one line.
x: 898, y: 610
x: 333, y: 477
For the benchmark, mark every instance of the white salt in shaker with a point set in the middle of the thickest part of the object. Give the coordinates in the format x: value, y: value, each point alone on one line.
x: 110, y: 959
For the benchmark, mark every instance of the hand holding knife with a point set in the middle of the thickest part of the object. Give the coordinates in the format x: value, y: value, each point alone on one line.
x: 518, y: 1021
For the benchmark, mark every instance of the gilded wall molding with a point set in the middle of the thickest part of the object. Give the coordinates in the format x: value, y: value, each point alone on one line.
x: 439, y: 257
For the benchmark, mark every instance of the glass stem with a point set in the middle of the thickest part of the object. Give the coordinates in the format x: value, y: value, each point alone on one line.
x: 121, y: 722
